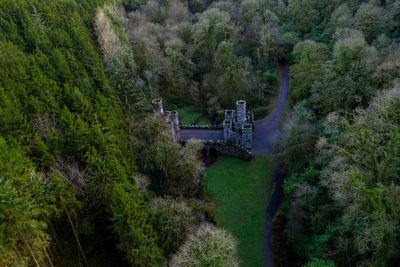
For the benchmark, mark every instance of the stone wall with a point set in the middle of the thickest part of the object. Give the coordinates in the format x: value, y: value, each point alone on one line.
x: 227, y: 149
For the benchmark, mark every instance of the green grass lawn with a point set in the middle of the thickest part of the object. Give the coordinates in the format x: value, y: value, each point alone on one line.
x: 189, y: 114
x: 241, y: 191
x: 204, y: 121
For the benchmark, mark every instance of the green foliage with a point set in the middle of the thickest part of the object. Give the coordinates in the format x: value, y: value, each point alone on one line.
x: 131, y: 224
x: 197, y: 6
x: 347, y: 81
x: 213, y: 27
x: 189, y: 114
x: 232, y: 68
x: 346, y: 204
x: 309, y: 57
x: 56, y: 100
x: 373, y: 20
x: 132, y: 5
x: 293, y: 182
x: 28, y: 201
x: 208, y: 246
x: 304, y: 14
x: 301, y: 137
x: 315, y: 262
x: 173, y: 220
x: 260, y: 112
x: 170, y: 166
x: 204, y: 121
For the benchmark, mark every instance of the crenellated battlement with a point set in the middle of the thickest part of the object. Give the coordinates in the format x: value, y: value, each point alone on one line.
x: 238, y: 125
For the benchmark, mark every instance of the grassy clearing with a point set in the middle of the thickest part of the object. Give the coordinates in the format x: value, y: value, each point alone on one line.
x: 189, y: 114
x: 204, y: 121
x: 241, y: 191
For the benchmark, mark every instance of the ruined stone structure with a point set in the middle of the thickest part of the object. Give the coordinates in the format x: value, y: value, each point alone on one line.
x: 238, y: 125
x: 170, y: 117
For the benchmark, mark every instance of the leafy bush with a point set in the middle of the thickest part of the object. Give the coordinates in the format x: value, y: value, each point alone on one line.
x: 173, y: 220
x: 260, y: 112
x: 208, y: 246
x: 137, y: 238
x: 132, y: 5
x: 170, y: 166
x: 301, y: 136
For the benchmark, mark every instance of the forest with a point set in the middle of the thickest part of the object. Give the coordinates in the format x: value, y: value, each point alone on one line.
x: 89, y: 177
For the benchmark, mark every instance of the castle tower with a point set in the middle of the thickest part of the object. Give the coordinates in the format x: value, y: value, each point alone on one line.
x: 227, y: 130
x: 247, y: 135
x: 229, y: 114
x: 175, y: 123
x: 241, y: 111
x: 157, y: 106
x: 171, y: 128
x: 167, y: 116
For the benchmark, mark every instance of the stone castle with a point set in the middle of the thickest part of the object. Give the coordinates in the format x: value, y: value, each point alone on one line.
x: 237, y: 126
x: 170, y: 117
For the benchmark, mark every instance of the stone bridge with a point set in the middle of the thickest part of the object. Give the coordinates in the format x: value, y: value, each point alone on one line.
x: 214, y: 142
x: 240, y: 135
x: 202, y: 134
x: 266, y: 131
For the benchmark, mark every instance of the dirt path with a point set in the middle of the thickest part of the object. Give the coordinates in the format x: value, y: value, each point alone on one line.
x: 268, y: 131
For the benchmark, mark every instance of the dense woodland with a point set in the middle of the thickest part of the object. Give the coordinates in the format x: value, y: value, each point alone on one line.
x: 88, y: 176
x: 342, y: 151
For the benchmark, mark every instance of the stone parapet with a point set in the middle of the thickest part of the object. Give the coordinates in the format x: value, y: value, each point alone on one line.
x: 229, y: 149
x: 205, y: 127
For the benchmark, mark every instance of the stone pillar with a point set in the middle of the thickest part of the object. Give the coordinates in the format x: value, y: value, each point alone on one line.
x: 241, y: 111
x: 175, y: 123
x: 157, y: 106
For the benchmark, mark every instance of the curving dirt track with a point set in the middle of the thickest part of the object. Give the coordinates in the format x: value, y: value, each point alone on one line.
x: 267, y: 132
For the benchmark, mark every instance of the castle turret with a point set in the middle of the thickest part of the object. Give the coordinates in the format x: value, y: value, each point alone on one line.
x: 227, y: 129
x: 167, y: 116
x: 241, y: 111
x: 229, y: 114
x: 171, y: 128
x: 157, y: 106
x: 247, y: 135
x: 170, y: 117
x: 175, y: 123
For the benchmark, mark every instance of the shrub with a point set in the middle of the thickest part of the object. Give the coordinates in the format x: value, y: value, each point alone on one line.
x: 208, y: 246
x: 132, y: 5
x: 170, y: 166
x: 258, y: 100
x: 260, y: 112
x: 173, y: 220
